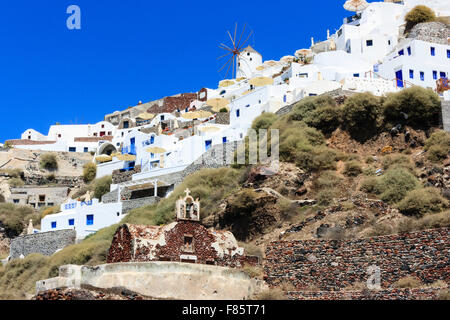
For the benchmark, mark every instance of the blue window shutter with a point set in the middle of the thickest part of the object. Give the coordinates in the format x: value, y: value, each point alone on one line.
x: 411, y: 74
x: 71, y: 222
x: 422, y: 76
x: 409, y: 51
x: 401, y: 53
x: 434, y: 75
x: 53, y: 224
x: 238, y: 113
x: 90, y: 219
x: 433, y: 51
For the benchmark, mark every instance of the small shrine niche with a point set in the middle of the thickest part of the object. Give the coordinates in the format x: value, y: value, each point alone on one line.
x: 187, y: 208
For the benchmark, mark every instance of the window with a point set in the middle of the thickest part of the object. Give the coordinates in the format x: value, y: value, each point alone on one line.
x: 356, y: 75
x: 71, y: 222
x: 59, y: 135
x: 238, y: 113
x: 16, y: 201
x: 72, y: 149
x: 223, y: 92
x: 103, y: 126
x: 409, y: 51
x: 284, y: 98
x: 434, y: 75
x: 247, y: 106
x: 126, y: 124
x: 162, y: 118
x: 433, y: 51
x: 188, y: 243
x: 411, y: 74
x: 224, y: 139
x: 50, y: 204
x: 152, y: 139
x: 303, y: 75
x: 86, y: 149
x: 442, y: 74
x: 369, y: 43
x: 422, y: 76
x: 448, y: 54
x: 53, y: 224
x: 95, y: 134
x: 42, y: 198
x: 401, y: 53
x: 29, y: 137
x: 89, y: 219
x: 389, y: 42
x: 109, y: 133
x: 208, y: 144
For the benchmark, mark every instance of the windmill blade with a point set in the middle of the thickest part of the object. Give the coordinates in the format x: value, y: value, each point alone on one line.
x: 251, y: 32
x: 225, y: 64
x: 224, y: 55
x: 233, y: 70
x: 231, y: 39
x: 228, y: 70
x: 225, y: 47
x: 240, y: 38
x: 235, y: 29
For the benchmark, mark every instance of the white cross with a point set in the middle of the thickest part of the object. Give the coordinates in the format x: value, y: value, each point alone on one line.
x: 187, y: 192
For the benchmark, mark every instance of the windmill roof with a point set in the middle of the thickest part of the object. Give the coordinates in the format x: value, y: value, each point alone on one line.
x: 250, y: 49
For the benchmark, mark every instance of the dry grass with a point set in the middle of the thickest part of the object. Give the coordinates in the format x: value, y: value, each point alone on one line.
x: 271, y: 294
x: 253, y: 271
x: 408, y: 282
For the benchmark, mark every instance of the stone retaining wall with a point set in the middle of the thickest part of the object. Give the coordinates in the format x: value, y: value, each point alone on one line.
x: 336, y: 264
x: 46, y: 243
x: 124, y: 176
x: 389, y: 294
x: 129, y: 205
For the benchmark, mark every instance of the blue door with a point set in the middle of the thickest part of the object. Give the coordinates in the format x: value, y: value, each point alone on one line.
x: 133, y: 145
x: 399, y: 77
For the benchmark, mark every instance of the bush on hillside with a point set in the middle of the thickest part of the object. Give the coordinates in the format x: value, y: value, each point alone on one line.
x: 101, y: 186
x: 264, y: 121
x: 16, y: 182
x: 422, y: 106
x: 325, y: 119
x: 397, y: 160
x: 352, y: 168
x: 317, y: 159
x: 298, y: 139
x: 419, y: 14
x: 362, y: 115
x: 421, y: 202
x: 438, y: 146
x: 48, y: 161
x: 89, y: 172
x: 15, y: 218
x: 306, y: 106
x: 327, y: 179
x: 395, y: 184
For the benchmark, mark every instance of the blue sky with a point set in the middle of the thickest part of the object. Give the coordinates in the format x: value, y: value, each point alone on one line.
x: 132, y: 50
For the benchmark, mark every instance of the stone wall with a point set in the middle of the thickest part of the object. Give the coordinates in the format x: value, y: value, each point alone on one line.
x: 45, y: 243
x: 336, y: 264
x: 446, y: 115
x: 388, y: 294
x: 223, y: 118
x: 124, y: 176
x: 128, y: 205
x: 434, y: 32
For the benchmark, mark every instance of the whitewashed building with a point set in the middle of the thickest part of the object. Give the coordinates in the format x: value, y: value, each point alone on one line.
x: 84, y: 217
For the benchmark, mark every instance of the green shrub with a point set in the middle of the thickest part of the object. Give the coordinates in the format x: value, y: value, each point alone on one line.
x: 264, y: 121
x: 101, y: 186
x: 325, y: 197
x: 438, y: 146
x: 352, y: 168
x: 317, y: 159
x: 421, y: 202
x: 89, y: 172
x: 422, y: 106
x: 49, y: 210
x: 14, y: 217
x: 223, y: 110
x: 397, y: 160
x: 370, y: 185
x: 395, y: 184
x: 16, y: 182
x: 306, y: 106
x: 325, y: 119
x: 419, y: 14
x: 362, y: 115
x: 48, y: 161
x: 327, y: 179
